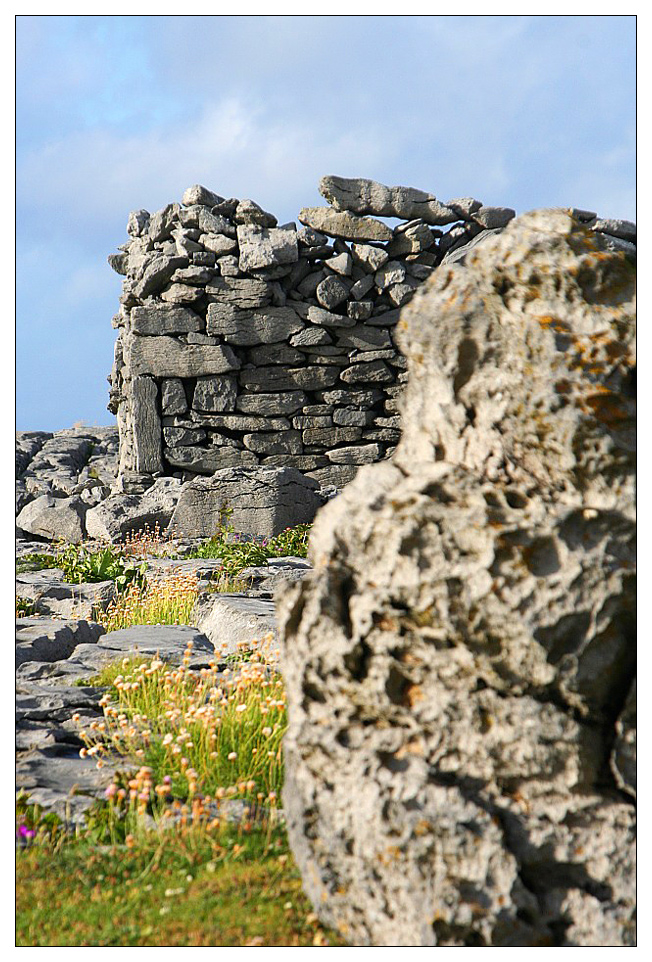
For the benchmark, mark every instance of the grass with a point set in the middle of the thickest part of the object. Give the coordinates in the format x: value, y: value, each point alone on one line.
x: 232, y: 886
x: 158, y: 863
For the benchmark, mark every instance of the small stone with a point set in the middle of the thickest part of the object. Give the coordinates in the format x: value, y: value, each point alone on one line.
x: 164, y: 319
x: 200, y: 195
x: 262, y: 247
x: 213, y: 394
x: 248, y: 212
x: 137, y: 222
x: 345, y: 225
x: 173, y: 397
x: 492, y: 217
x: 392, y: 273
x: 317, y: 315
x: 341, y: 264
x: 360, y: 310
x: 181, y: 294
x: 218, y: 244
x: 355, y: 454
x: 331, y: 292
x: 369, y: 257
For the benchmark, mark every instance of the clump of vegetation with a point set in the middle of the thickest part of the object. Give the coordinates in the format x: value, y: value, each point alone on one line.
x: 82, y: 564
x: 35, y: 562
x: 199, y: 732
x: 24, y: 607
x: 168, y: 601
x: 238, y: 552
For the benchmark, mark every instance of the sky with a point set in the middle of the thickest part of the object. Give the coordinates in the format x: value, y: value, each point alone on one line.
x: 116, y: 113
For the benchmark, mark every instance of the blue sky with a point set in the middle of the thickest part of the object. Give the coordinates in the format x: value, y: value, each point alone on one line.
x: 117, y: 113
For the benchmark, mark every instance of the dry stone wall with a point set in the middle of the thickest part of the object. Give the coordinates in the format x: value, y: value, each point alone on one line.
x: 245, y: 343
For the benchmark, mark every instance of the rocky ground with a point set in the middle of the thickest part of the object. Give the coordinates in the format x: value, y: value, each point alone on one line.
x: 59, y: 647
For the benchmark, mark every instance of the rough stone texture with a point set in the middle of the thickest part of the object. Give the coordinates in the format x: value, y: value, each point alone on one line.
x: 49, y: 639
x: 54, y: 518
x: 264, y: 502
x: 121, y: 514
x: 230, y: 621
x: 220, y: 303
x: 459, y: 664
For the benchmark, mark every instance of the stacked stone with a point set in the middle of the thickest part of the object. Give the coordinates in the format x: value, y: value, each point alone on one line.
x: 244, y: 343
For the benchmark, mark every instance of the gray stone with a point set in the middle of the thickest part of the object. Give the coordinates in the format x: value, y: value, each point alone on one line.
x: 369, y: 257
x: 413, y: 240
x: 457, y: 255
x: 248, y: 212
x: 392, y: 273
x: 492, y: 217
x: 328, y: 437
x: 458, y: 663
x: 53, y: 597
x: 464, y: 206
x: 337, y: 475
x: 351, y: 417
x: 317, y: 315
x: 173, y: 397
x: 208, y: 460
x: 279, y: 403
x: 369, y: 197
x: 49, y: 639
x: 360, y: 310
x: 232, y: 622
x: 265, y: 379
x: 215, y: 394
x: 157, y: 273
x: 236, y: 422
x: 375, y: 372
x: 122, y: 514
x: 181, y: 294
x: 289, y: 442
x: 198, y: 195
x: 624, y: 229
x: 164, y: 319
x: 341, y: 264
x: 219, y: 244
x: 249, y: 328
x: 146, y: 426
x: 275, y: 354
x: 365, y: 338
x: 179, y: 437
x: 137, y: 222
x: 244, y: 293
x: 167, y: 357
x: 264, y: 501
x: 193, y: 275
x: 355, y: 454
x: 119, y: 263
x: 362, y: 287
x: 266, y: 246
x: 345, y: 225
x: 331, y: 292
x: 54, y: 518
x: 311, y: 337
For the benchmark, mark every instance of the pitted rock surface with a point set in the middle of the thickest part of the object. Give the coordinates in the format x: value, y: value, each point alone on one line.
x: 459, y: 664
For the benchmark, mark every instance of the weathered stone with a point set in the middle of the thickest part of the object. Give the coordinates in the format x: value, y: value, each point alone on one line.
x: 365, y: 338
x: 236, y: 422
x: 180, y: 437
x: 345, y: 225
x: 392, y: 273
x: 289, y: 442
x: 331, y: 291
x: 47, y: 639
x: 137, y: 222
x: 317, y: 315
x: 157, y: 273
x: 146, y: 426
x: 351, y: 417
x: 208, y: 460
x: 328, y: 437
x: 337, y: 475
x: 53, y: 597
x: 122, y: 514
x: 200, y: 195
x: 119, y: 263
x: 219, y: 244
x: 248, y: 212
x: 376, y: 372
x: 193, y: 275
x: 173, y: 397
x: 311, y: 337
x: 416, y: 238
x: 617, y: 228
x: 231, y: 622
x: 164, y: 319
x: 167, y: 357
x: 266, y: 246
x: 215, y: 394
x: 492, y: 217
x: 355, y: 454
x: 249, y: 328
x: 244, y: 293
x: 369, y: 197
x: 264, y: 501
x: 459, y: 661
x: 280, y: 403
x: 309, y: 378
x: 275, y: 354
x: 54, y: 518
x: 360, y: 310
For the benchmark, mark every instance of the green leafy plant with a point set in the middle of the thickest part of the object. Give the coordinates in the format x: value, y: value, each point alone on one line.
x: 237, y: 552
x: 35, y: 562
x: 81, y: 564
x: 24, y: 607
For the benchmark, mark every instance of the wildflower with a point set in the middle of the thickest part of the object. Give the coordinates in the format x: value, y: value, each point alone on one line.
x: 232, y: 756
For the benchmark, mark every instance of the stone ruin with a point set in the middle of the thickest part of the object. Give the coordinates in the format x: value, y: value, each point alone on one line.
x: 244, y: 343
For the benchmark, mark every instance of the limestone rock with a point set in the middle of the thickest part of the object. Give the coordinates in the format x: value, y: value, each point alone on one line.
x: 264, y: 502
x: 369, y: 197
x: 345, y: 225
x: 200, y: 195
x: 459, y: 663
x: 230, y: 621
x: 54, y: 518
x: 266, y: 247
x: 166, y: 357
x: 121, y: 514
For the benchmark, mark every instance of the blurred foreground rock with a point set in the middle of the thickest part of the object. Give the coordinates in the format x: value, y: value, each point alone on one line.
x: 460, y: 663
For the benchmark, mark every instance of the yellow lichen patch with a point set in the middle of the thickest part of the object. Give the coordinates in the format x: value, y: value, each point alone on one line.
x: 414, y: 695
x: 608, y: 409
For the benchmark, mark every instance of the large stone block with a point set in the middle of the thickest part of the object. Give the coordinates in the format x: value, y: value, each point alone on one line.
x: 167, y: 357
x: 264, y: 501
x: 459, y: 664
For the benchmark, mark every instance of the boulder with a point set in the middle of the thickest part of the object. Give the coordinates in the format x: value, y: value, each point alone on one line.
x: 232, y: 621
x: 263, y: 502
x: 54, y: 518
x: 459, y: 664
x: 120, y: 514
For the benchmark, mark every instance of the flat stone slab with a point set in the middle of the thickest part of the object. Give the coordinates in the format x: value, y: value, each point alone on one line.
x: 231, y: 620
x: 52, y: 596
x: 49, y: 639
x: 57, y: 779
